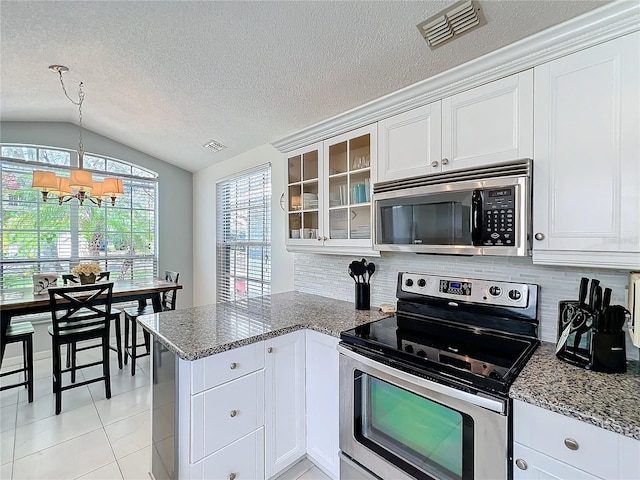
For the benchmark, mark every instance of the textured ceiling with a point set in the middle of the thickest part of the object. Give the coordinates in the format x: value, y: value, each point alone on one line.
x: 166, y: 77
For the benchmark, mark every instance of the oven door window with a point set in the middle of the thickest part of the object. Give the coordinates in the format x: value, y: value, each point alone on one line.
x: 422, y: 437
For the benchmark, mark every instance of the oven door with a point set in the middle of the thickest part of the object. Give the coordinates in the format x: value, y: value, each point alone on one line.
x: 397, y: 425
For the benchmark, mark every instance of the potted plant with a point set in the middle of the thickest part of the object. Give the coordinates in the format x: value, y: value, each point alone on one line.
x: 87, y: 272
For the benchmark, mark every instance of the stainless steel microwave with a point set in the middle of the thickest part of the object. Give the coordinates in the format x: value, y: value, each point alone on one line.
x: 478, y: 211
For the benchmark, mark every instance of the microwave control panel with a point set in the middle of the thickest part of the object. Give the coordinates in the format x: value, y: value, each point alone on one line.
x: 498, y: 217
x: 486, y: 292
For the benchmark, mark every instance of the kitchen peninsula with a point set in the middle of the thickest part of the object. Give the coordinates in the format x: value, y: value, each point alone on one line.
x: 244, y: 364
x: 257, y: 366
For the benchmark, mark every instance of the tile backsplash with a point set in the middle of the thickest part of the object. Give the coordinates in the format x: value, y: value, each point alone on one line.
x: 327, y: 275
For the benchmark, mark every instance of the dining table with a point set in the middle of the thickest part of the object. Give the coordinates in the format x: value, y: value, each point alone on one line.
x: 15, y: 302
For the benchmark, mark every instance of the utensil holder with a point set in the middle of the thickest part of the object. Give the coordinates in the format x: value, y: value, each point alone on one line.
x: 363, y: 296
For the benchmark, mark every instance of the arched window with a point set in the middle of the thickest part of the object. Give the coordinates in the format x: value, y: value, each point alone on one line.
x: 42, y: 236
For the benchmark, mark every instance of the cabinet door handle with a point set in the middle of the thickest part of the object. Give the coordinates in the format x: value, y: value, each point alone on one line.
x: 434, y: 164
x: 319, y: 239
x: 521, y: 464
x: 445, y: 161
x: 571, y: 444
x: 233, y: 413
x: 325, y: 238
x: 232, y: 476
x: 539, y: 236
x: 270, y: 349
x: 233, y: 365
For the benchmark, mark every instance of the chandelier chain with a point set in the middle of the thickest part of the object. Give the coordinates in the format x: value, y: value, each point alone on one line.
x: 79, y: 104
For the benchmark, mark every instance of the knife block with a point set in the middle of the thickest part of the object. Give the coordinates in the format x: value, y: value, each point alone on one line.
x: 577, y: 347
x: 608, y: 352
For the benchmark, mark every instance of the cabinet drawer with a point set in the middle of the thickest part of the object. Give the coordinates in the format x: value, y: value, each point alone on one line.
x: 597, y: 449
x: 223, y: 414
x: 537, y: 466
x: 242, y: 460
x: 223, y: 367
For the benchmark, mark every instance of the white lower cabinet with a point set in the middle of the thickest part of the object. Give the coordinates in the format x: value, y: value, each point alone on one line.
x: 284, y: 401
x: 549, y: 445
x: 323, y: 402
x: 240, y: 460
x: 226, y: 413
x: 533, y: 465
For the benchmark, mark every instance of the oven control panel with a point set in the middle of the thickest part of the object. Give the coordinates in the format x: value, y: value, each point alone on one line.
x: 486, y: 292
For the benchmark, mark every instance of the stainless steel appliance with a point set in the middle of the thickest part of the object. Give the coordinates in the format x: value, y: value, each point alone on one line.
x: 424, y: 393
x: 479, y: 211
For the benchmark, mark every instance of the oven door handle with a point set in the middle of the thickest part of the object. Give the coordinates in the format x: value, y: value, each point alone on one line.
x: 481, y: 401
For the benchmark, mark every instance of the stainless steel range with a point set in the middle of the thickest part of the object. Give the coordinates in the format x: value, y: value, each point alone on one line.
x: 424, y: 393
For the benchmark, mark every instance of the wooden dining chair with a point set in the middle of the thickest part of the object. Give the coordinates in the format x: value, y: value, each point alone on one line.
x: 168, y: 302
x: 21, y: 332
x: 78, y: 314
x: 71, y: 279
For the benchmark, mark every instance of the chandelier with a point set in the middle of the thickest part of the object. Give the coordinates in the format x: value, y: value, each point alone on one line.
x: 79, y: 184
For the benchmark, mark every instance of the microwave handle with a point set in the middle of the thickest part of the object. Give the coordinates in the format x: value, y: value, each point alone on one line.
x: 477, y: 215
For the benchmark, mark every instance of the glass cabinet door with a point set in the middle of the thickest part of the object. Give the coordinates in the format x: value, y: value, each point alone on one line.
x: 303, y: 187
x: 349, y: 159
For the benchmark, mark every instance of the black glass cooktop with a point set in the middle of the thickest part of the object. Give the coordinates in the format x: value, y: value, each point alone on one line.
x: 463, y: 354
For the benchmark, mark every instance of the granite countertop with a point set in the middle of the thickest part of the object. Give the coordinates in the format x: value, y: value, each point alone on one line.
x: 606, y: 400
x: 198, y: 332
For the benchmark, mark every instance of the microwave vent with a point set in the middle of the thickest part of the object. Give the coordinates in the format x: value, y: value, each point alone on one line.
x: 520, y: 167
x: 461, y: 17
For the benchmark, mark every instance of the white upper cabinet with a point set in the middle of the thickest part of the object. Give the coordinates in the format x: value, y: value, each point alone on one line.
x: 487, y: 124
x: 587, y: 157
x: 409, y: 143
x: 329, y: 187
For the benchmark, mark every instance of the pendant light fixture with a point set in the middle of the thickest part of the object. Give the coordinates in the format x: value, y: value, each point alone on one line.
x: 80, y: 184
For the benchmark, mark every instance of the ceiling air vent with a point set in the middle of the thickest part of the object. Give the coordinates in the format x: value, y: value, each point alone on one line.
x: 215, y: 146
x: 462, y: 17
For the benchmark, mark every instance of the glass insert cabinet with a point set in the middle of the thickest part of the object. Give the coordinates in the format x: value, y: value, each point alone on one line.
x: 329, y: 186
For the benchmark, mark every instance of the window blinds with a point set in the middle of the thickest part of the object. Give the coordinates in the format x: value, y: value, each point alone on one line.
x: 244, y: 236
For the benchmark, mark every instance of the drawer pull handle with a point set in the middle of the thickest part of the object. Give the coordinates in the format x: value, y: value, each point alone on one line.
x: 571, y: 444
x: 232, y: 476
x: 270, y: 349
x: 233, y: 413
x: 521, y: 464
x: 233, y: 366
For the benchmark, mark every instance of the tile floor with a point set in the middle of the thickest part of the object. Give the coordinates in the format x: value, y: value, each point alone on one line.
x: 93, y: 437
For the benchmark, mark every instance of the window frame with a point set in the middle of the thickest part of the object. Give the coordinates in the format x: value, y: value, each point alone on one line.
x: 39, y: 263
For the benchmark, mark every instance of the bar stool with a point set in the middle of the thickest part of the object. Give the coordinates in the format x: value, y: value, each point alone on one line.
x: 131, y: 315
x: 22, y: 332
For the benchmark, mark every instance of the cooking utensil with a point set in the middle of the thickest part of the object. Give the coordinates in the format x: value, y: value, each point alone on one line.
x: 371, y: 268
x: 351, y: 274
x: 358, y: 268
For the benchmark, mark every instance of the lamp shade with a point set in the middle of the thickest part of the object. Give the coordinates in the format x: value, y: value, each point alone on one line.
x: 63, y: 187
x: 81, y: 180
x: 97, y: 190
x: 45, y: 181
x: 113, y: 187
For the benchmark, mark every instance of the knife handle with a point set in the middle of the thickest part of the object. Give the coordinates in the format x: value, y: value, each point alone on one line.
x: 592, y: 293
x: 582, y: 293
x: 606, y: 298
x: 597, y: 301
